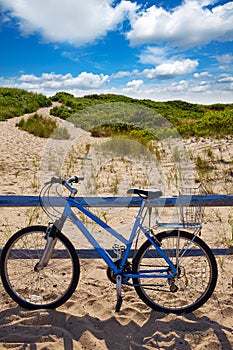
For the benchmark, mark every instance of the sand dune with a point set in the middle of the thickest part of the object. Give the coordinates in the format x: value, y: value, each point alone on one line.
x: 87, y: 320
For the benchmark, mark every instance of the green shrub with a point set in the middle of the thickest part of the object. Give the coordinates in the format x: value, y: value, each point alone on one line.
x: 38, y: 125
x: 61, y: 112
x: 216, y: 124
x: 16, y: 102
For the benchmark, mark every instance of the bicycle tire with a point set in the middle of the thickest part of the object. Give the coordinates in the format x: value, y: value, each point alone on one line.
x: 196, y: 279
x: 48, y: 288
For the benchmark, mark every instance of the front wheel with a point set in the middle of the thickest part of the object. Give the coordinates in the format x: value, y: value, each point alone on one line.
x: 196, y: 273
x: 32, y: 289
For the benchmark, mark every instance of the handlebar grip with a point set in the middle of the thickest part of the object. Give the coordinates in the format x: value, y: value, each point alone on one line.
x: 54, y: 180
x: 75, y: 179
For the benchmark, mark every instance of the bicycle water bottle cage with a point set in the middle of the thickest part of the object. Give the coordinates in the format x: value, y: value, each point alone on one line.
x: 146, y: 193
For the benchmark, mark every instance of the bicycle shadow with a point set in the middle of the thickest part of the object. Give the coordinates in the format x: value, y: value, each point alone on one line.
x: 66, y: 331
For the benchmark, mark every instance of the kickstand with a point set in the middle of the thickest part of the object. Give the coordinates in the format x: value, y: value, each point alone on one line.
x: 119, y: 297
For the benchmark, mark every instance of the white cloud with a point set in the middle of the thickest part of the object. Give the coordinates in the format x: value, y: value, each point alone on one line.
x: 124, y: 74
x: 171, y: 69
x: 78, y: 22
x: 134, y: 85
x: 179, y: 87
x: 73, y: 21
x: 121, y: 74
x: 202, y: 87
x: 225, y: 59
x: 186, y: 26
x: 201, y: 75
x: 225, y: 78
x: 52, y: 81
x: 45, y: 77
x: 153, y: 55
x: 88, y: 81
x: 187, y: 90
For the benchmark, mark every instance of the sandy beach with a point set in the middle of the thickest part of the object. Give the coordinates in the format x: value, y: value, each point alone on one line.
x: 88, y: 320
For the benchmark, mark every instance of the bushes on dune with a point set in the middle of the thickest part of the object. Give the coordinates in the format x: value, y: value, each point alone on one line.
x: 16, y: 102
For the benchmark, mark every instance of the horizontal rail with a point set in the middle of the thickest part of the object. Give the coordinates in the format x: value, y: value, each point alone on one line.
x: 215, y: 200
x: 207, y: 201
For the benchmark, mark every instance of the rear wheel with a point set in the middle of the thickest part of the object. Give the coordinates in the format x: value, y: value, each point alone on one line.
x: 196, y: 273
x: 51, y: 286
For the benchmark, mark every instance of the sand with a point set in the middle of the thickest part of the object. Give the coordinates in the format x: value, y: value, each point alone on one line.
x: 88, y: 320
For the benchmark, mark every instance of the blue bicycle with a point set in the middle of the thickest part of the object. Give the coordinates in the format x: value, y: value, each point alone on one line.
x: 173, y: 271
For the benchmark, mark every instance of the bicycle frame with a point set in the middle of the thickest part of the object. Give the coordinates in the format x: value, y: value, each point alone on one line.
x: 69, y: 213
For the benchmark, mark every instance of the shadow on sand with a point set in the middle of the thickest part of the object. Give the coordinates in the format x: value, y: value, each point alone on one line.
x: 27, y: 330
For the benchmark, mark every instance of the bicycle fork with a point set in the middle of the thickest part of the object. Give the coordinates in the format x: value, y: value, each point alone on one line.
x: 49, y: 247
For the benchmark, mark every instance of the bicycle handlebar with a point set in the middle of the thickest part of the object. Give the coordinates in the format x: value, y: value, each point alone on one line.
x: 66, y: 182
x: 75, y: 179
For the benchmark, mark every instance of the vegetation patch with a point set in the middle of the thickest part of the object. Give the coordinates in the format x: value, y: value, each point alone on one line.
x: 16, y: 102
x: 121, y: 129
x: 188, y: 119
x: 38, y: 125
x: 106, y: 112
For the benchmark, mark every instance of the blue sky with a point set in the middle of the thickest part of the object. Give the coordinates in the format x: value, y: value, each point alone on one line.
x: 160, y: 50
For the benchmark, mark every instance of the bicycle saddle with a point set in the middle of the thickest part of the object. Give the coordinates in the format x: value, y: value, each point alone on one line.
x: 149, y: 194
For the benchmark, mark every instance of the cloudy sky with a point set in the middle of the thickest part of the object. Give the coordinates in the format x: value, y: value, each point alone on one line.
x: 161, y: 50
